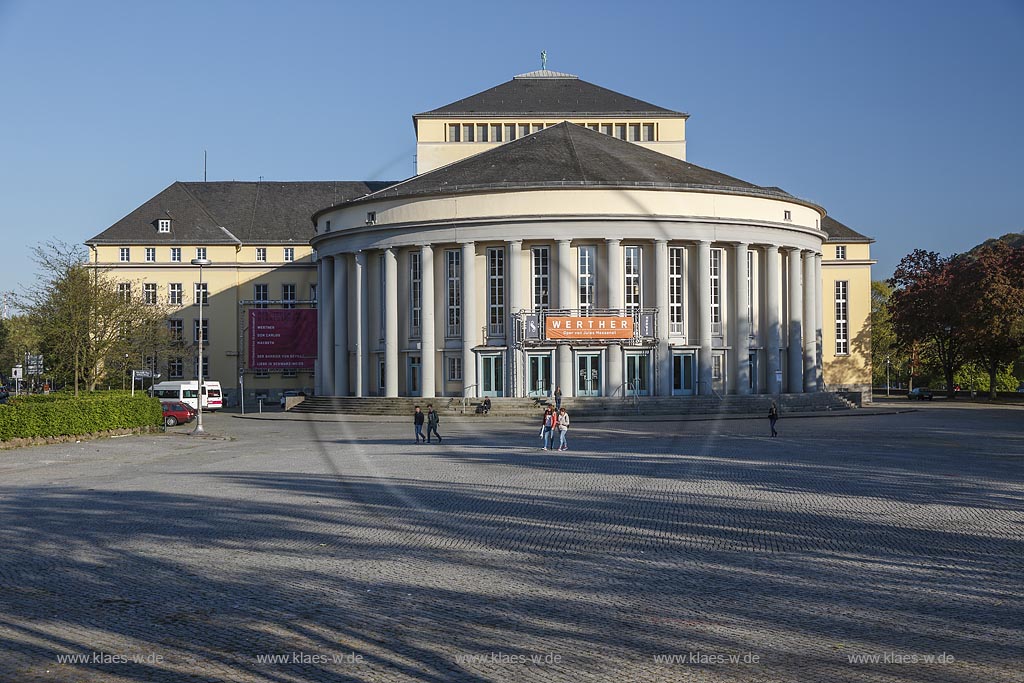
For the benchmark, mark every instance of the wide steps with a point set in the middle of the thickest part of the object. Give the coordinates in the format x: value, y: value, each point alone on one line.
x: 595, y: 407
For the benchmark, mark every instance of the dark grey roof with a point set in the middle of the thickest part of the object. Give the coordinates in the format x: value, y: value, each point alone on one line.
x: 536, y: 94
x: 565, y: 156
x: 837, y: 232
x: 233, y: 212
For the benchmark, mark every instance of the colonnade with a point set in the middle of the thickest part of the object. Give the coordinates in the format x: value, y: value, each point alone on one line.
x: 343, y: 315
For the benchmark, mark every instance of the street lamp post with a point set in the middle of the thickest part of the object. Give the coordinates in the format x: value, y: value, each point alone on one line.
x: 887, y: 376
x: 199, y: 431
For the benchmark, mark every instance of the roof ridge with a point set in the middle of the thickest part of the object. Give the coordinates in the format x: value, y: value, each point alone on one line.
x: 201, y: 204
x: 572, y: 146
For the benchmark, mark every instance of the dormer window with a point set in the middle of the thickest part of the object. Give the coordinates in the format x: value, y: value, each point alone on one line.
x: 371, y: 217
x: 163, y: 225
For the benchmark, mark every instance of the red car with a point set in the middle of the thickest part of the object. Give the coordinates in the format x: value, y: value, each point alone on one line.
x: 177, y: 413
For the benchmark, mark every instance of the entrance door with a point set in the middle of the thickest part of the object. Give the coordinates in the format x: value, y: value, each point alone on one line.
x: 682, y: 373
x: 413, y: 377
x: 637, y: 374
x: 752, y: 356
x: 492, y: 377
x: 588, y: 374
x: 538, y: 380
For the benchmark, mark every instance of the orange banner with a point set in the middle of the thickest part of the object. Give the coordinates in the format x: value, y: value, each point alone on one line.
x: 588, y: 327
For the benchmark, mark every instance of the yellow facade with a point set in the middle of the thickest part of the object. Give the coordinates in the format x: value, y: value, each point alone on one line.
x: 849, y: 370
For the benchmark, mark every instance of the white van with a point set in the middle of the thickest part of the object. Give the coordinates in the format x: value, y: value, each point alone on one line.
x: 185, y: 392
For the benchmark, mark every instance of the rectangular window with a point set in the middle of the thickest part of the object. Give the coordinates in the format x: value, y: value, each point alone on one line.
x: 453, y: 292
x: 620, y: 131
x: 206, y: 367
x: 288, y: 374
x: 175, y: 369
x: 261, y: 294
x: 648, y: 132
x: 415, y: 293
x: 541, y: 280
x: 634, y: 132
x: 175, y: 254
x: 606, y: 128
x: 524, y: 130
x: 261, y: 254
x: 538, y: 127
x: 841, y: 252
x: 594, y: 127
x: 676, y: 282
x: 495, y: 291
x: 125, y: 290
x: 481, y: 132
x: 289, y: 254
x: 787, y: 215
x: 201, y: 292
x: 261, y: 374
x: 174, y: 293
x: 149, y: 293
x: 205, y: 330
x: 454, y: 132
x: 126, y: 254
x: 716, y: 292
x: 288, y: 296
x: 717, y: 367
x: 150, y: 254
x: 176, y: 328
x: 586, y: 276
x: 454, y: 369
x: 510, y: 132
x: 631, y: 278
x: 201, y: 252
x: 163, y: 225
x: 495, y: 132
x: 467, y: 132
x: 382, y: 376
x: 842, y: 320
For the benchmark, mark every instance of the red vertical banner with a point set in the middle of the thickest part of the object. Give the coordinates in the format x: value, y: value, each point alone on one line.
x: 282, y: 338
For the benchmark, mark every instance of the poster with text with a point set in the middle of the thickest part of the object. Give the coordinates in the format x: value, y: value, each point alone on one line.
x: 282, y: 339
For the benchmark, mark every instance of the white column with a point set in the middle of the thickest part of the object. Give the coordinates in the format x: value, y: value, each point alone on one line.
x: 470, y: 333
x: 616, y: 301
x: 819, y: 349
x: 361, y: 333
x: 773, y: 333
x: 428, y: 324
x: 341, y: 387
x: 810, y: 320
x: 516, y: 360
x: 327, y: 331
x: 390, y: 323
x: 704, y: 321
x: 566, y: 299
x: 741, y: 328
x: 794, y: 359
x: 663, y: 369
x: 318, y: 378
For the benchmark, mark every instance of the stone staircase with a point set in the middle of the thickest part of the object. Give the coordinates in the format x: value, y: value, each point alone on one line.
x: 580, y: 408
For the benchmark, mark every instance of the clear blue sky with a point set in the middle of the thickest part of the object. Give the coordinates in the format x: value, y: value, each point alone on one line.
x: 902, y: 118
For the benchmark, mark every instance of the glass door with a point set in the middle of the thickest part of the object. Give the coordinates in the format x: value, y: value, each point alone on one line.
x: 637, y: 374
x: 588, y: 374
x: 682, y: 373
x: 492, y: 377
x: 752, y: 360
x: 538, y: 381
x: 413, y: 377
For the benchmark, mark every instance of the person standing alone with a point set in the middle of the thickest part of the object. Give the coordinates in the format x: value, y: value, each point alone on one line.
x: 563, y: 427
x: 773, y: 417
x: 417, y: 421
x: 432, y: 421
x: 558, y: 398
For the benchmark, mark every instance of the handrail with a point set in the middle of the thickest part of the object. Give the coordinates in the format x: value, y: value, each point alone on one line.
x: 635, y: 396
x: 465, y: 397
x: 711, y: 386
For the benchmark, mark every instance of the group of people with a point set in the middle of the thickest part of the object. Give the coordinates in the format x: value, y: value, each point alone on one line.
x: 432, y: 420
x: 555, y: 420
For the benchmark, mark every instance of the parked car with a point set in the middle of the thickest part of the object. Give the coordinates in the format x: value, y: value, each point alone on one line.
x: 920, y: 393
x: 177, y: 413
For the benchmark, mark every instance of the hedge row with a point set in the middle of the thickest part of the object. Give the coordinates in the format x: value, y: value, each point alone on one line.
x: 69, y: 417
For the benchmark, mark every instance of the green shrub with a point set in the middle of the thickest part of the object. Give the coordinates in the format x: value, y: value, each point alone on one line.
x: 60, y: 415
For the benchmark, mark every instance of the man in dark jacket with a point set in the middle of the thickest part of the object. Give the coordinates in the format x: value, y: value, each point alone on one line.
x: 417, y: 420
x: 432, y: 421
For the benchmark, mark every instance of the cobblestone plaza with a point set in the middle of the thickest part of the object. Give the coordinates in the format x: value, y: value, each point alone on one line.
x: 861, y: 547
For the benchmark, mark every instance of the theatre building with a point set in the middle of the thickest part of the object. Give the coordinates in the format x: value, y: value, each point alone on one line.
x: 555, y: 236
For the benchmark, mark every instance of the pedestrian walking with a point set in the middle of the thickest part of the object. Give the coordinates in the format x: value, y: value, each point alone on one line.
x: 547, y: 431
x: 773, y: 417
x: 563, y: 427
x: 417, y: 421
x: 432, y: 421
x: 558, y: 398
